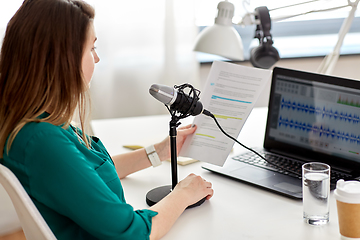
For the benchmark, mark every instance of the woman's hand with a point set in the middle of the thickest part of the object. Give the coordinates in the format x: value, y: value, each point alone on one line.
x: 163, y: 148
x: 194, y: 188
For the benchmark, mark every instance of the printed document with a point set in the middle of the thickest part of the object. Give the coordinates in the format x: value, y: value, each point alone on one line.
x: 230, y: 93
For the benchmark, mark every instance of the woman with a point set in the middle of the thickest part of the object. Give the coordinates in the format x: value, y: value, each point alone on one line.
x: 46, y: 64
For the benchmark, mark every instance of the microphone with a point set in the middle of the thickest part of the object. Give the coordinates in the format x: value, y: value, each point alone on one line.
x: 177, y: 100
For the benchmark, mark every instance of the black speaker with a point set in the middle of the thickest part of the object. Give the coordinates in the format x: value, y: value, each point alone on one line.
x: 265, y: 55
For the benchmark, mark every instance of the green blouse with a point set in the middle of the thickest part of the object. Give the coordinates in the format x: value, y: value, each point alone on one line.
x: 76, y: 189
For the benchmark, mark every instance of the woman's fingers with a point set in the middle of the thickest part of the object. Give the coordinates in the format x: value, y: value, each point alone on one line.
x: 188, y: 129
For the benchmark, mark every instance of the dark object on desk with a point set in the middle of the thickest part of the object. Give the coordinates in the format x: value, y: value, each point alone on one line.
x: 311, y: 118
x: 155, y: 195
x: 193, y: 107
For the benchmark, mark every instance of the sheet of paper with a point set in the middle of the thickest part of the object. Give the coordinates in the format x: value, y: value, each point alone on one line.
x: 230, y: 93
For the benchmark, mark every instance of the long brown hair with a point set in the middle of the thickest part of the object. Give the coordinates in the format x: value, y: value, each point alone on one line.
x: 40, y: 65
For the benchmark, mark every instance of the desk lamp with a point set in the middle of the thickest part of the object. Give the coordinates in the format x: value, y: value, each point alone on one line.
x: 221, y: 39
x: 328, y: 63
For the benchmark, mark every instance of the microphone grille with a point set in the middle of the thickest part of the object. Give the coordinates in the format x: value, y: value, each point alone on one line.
x: 162, y: 93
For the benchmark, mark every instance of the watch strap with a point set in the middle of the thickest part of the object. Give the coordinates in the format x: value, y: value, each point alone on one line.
x: 153, y: 156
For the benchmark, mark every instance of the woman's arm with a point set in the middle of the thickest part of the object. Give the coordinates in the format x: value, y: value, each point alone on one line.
x: 131, y: 162
x: 187, y: 192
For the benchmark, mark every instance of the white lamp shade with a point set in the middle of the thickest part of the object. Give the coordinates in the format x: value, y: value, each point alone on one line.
x: 220, y: 40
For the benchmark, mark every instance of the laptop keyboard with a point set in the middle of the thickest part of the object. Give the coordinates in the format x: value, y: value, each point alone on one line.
x: 284, y: 165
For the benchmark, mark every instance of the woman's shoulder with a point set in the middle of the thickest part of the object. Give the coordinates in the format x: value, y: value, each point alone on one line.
x: 42, y: 132
x: 40, y: 135
x: 40, y: 127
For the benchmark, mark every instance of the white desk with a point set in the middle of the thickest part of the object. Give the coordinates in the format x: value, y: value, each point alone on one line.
x: 236, y: 211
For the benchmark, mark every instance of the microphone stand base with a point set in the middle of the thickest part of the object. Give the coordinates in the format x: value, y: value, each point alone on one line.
x: 155, y: 195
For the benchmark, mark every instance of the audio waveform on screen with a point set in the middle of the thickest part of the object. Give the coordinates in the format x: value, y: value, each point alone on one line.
x: 319, y: 130
x: 323, y: 111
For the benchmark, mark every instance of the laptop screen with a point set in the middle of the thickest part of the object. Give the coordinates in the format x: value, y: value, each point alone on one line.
x: 314, y: 116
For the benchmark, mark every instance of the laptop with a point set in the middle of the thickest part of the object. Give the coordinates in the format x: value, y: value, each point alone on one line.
x: 311, y: 118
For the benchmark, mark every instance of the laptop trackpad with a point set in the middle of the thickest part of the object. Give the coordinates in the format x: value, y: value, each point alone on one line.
x: 252, y: 174
x: 289, y: 187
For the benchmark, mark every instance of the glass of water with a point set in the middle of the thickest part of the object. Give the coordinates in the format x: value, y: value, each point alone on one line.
x: 316, y: 192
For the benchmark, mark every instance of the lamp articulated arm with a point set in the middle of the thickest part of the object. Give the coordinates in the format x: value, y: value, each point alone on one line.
x: 329, y: 62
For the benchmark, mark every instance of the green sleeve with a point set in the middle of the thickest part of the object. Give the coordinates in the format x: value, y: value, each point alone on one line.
x: 61, y: 177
